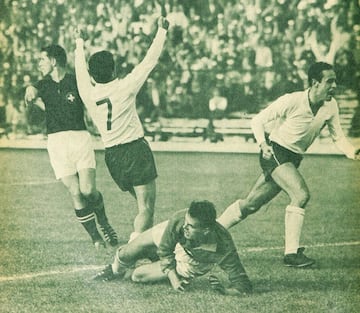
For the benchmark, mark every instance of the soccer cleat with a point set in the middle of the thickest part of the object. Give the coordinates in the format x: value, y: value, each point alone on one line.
x: 216, y: 284
x: 109, y: 234
x: 107, y: 274
x: 298, y: 259
x: 246, y: 284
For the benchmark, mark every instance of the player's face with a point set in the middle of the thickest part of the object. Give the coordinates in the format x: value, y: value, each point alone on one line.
x: 193, y: 230
x: 326, y: 87
x: 45, y: 63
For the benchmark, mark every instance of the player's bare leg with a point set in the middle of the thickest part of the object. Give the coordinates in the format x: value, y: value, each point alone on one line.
x: 126, y: 256
x: 148, y: 273
x: 145, y: 196
x: 261, y: 193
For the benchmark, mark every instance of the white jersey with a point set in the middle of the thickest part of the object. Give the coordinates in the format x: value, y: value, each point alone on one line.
x: 296, y: 127
x: 112, y: 105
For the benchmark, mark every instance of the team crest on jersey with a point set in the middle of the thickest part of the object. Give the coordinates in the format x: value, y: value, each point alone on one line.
x: 70, y: 97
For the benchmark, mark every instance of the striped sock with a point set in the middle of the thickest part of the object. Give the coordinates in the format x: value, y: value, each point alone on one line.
x: 86, y: 217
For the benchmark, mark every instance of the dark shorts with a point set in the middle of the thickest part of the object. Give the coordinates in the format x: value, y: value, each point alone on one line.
x: 131, y: 164
x: 281, y: 155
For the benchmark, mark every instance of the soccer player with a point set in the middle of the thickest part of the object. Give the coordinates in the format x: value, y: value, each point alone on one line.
x: 69, y: 143
x: 297, y: 119
x: 111, y: 104
x: 189, y: 245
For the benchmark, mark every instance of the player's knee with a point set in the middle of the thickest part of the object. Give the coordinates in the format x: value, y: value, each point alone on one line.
x: 74, y: 191
x: 300, y: 198
x: 88, y: 191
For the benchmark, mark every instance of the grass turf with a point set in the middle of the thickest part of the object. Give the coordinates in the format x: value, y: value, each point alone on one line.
x: 47, y: 260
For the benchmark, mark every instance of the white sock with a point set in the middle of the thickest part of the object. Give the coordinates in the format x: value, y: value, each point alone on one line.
x: 133, y: 235
x: 231, y: 216
x: 118, y: 265
x: 294, y: 218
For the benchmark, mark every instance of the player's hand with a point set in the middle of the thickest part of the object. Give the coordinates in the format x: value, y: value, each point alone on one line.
x: 30, y: 94
x: 178, y: 284
x: 80, y: 33
x: 266, y: 150
x: 163, y: 23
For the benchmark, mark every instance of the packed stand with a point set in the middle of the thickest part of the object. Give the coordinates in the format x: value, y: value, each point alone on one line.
x: 251, y: 50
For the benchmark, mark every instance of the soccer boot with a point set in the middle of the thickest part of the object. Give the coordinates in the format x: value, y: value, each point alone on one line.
x: 298, y: 259
x: 246, y: 284
x: 109, y: 234
x: 107, y: 274
x: 216, y: 285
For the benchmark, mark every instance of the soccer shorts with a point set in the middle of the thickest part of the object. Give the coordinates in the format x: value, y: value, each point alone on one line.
x: 70, y: 151
x: 186, y: 266
x: 131, y: 164
x: 281, y: 155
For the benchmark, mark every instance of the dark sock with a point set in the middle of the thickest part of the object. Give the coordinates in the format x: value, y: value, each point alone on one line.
x: 99, y: 210
x: 86, y: 217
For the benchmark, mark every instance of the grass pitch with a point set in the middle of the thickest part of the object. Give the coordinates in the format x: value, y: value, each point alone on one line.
x: 47, y: 260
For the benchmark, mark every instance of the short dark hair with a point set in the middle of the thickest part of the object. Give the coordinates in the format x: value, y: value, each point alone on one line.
x: 57, y: 52
x: 102, y: 66
x: 204, y: 211
x: 316, y: 71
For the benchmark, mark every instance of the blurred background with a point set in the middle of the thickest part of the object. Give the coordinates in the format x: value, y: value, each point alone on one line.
x: 245, y: 52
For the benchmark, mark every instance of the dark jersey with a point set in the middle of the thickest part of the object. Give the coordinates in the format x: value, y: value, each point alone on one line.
x: 63, y: 106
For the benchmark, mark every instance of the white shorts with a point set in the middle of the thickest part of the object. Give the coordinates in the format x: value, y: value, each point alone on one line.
x: 186, y: 266
x: 70, y: 152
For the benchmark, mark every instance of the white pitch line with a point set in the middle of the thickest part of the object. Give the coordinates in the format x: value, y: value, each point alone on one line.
x: 97, y: 267
x: 50, y: 273
x: 30, y: 183
x: 318, y: 245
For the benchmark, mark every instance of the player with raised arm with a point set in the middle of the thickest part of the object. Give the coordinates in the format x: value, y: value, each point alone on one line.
x: 111, y: 103
x: 69, y: 143
x: 297, y: 119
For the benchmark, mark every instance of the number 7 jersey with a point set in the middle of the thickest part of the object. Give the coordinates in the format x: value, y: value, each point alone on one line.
x: 114, y: 113
x: 112, y: 106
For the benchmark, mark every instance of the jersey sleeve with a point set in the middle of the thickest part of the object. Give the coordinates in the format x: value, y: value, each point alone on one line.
x: 167, y: 245
x: 276, y: 110
x: 141, y: 72
x: 82, y: 75
x: 338, y: 135
x: 233, y: 267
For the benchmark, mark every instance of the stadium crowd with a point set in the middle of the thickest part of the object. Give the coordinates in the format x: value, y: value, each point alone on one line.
x: 251, y: 50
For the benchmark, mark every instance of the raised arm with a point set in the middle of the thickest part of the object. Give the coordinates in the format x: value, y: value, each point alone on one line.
x: 141, y: 72
x: 83, y: 79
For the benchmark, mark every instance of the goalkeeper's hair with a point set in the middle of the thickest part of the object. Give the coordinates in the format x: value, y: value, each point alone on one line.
x: 102, y: 66
x: 204, y: 211
x: 56, y: 52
